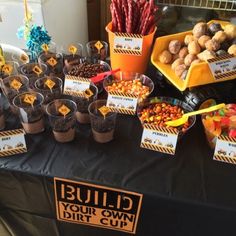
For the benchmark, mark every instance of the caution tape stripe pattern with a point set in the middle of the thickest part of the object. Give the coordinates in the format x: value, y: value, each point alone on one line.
x: 161, y: 129
x: 225, y: 159
x: 127, y: 35
x: 158, y: 148
x: 70, y: 77
x: 123, y: 94
x: 11, y: 132
x: 227, y: 139
x: 122, y: 111
x: 220, y: 58
x: 128, y: 52
x: 76, y: 94
x: 12, y: 152
x: 232, y: 73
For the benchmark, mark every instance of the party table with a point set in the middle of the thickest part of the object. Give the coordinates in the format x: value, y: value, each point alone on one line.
x: 185, y: 194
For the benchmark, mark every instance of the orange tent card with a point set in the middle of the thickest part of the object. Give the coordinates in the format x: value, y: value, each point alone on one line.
x: 29, y: 98
x: 37, y: 70
x: 72, y: 49
x: 15, y: 84
x: 64, y: 110
x: 52, y: 61
x: 49, y: 83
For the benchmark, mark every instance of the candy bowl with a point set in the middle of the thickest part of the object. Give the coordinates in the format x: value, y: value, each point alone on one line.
x: 158, y: 110
x: 129, y: 83
x: 220, y: 122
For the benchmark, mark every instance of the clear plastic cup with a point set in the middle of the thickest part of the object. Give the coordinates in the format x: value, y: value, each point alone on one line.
x: 83, y: 103
x: 62, y: 118
x: 54, y: 62
x: 30, y: 111
x: 29, y: 71
x: 14, y: 65
x: 103, y: 127
x: 14, y: 85
x: 69, y: 56
x: 95, y: 53
x: 50, y: 87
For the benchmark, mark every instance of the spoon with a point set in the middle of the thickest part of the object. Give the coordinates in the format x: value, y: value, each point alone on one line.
x: 184, y: 118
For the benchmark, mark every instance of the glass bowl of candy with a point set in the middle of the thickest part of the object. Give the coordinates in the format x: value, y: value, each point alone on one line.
x: 129, y: 83
x: 220, y: 122
x: 158, y: 110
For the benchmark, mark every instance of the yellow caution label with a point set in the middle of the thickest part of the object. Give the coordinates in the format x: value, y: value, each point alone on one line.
x: 52, y: 61
x: 37, y: 70
x: 98, y: 45
x: 49, y: 83
x: 72, y: 49
x: 104, y: 110
x: 7, y: 69
x: 24, y: 58
x: 88, y: 93
x: 29, y: 98
x: 64, y: 110
x: 15, y: 84
x: 45, y: 47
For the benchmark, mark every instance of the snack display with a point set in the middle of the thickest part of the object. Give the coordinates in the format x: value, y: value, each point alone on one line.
x: 130, y: 83
x: 30, y: 111
x: 61, y: 113
x: 207, y: 41
x: 102, y: 122
x: 221, y: 122
x: 156, y: 111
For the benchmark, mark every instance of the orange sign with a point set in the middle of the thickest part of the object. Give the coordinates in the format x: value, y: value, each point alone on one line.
x: 88, y: 93
x: 37, y: 70
x: 29, y: 98
x: 72, y: 49
x: 51, y: 61
x: 50, y: 84
x: 15, y: 84
x: 95, y: 205
x: 45, y: 47
x: 98, y: 45
x: 64, y: 110
x: 104, y: 110
x: 7, y: 69
x: 24, y: 58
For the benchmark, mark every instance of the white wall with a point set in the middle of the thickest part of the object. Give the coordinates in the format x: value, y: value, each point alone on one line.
x: 65, y: 20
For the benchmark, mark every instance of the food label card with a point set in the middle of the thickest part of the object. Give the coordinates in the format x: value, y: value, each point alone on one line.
x: 122, y: 103
x: 75, y: 85
x: 225, y: 150
x: 12, y: 142
x: 95, y: 205
x: 223, y: 67
x: 159, y: 139
x: 131, y: 44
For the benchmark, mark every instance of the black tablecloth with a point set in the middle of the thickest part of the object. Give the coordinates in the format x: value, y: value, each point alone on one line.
x: 185, y: 194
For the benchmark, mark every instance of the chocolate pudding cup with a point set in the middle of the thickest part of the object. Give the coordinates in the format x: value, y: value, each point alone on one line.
x: 29, y: 71
x: 50, y: 87
x: 83, y: 103
x: 102, y: 126
x: 14, y: 71
x: 55, y: 66
x: 62, y: 118
x: 95, y: 53
x: 72, y: 53
x: 30, y: 111
x: 14, y: 85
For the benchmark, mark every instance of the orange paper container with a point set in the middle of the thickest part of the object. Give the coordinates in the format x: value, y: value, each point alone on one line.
x: 130, y: 63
